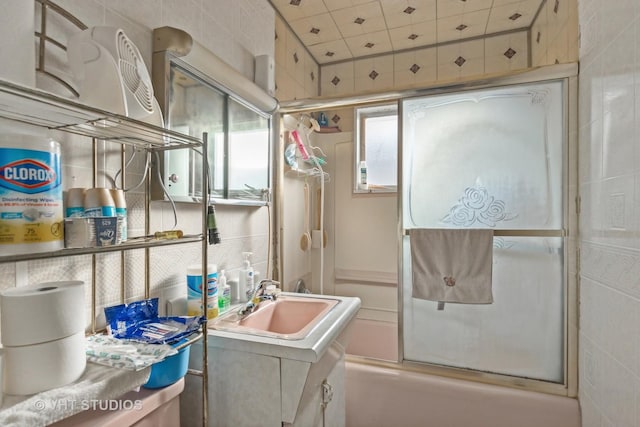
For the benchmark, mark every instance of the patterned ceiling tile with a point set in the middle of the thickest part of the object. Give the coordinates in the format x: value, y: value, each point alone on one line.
x: 475, y: 22
x: 457, y: 7
x: 370, y: 15
x: 415, y: 67
x: 410, y: 36
x: 395, y: 15
x: 329, y: 25
x: 467, y: 50
x: 338, y: 48
x: 373, y: 73
x: 471, y: 51
x: 504, y: 52
x: 342, y: 4
x: 291, y: 12
x: 324, y: 24
x: 501, y: 16
x: 497, y: 3
x: 358, y: 44
x: 344, y: 72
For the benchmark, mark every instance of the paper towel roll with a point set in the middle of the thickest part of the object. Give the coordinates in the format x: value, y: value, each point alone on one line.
x: 34, y: 368
x: 43, y: 312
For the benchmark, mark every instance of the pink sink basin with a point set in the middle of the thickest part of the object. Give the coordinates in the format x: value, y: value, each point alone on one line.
x: 288, y: 317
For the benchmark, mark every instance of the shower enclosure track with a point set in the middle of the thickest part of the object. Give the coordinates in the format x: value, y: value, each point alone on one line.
x: 521, y: 233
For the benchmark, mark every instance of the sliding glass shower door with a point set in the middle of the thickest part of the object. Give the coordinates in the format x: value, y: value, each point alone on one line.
x: 491, y: 158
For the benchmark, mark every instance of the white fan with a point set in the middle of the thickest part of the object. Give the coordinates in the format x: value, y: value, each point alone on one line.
x: 111, y: 73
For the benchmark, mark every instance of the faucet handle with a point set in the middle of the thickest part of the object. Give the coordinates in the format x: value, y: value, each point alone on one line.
x: 247, y: 309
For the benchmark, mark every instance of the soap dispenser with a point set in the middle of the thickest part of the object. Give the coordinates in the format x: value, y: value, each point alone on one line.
x: 224, y: 293
x: 245, y: 278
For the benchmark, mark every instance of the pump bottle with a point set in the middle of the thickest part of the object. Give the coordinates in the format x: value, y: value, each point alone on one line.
x: 245, y: 277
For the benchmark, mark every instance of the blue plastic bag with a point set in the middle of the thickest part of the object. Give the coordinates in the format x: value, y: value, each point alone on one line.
x: 139, y: 321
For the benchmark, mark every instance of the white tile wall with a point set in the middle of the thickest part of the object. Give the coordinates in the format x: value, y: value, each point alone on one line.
x: 236, y: 33
x: 609, y: 356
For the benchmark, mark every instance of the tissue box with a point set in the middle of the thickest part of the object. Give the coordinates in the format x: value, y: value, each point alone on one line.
x: 92, y: 232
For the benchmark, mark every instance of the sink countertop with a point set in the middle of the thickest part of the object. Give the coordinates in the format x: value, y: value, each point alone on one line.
x: 309, y: 349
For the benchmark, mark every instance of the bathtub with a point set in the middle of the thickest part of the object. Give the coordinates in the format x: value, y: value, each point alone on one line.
x: 382, y: 395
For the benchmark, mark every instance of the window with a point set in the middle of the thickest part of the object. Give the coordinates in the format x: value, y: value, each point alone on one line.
x: 377, y: 145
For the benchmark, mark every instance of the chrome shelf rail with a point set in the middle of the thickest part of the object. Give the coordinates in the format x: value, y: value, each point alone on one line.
x: 44, y: 109
x: 134, y: 243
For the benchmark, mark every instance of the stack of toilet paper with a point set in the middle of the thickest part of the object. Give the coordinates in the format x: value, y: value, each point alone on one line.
x: 42, y: 332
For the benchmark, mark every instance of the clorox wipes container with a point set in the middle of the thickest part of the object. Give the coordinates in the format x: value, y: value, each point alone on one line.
x: 31, y: 211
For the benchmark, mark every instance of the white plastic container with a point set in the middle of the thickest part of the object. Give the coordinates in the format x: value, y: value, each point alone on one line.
x: 194, y: 290
x: 31, y: 200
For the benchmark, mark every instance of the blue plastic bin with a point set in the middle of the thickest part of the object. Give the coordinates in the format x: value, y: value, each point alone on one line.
x: 171, y: 369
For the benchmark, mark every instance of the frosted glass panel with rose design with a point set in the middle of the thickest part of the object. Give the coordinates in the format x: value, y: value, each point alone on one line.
x: 487, y: 158
x: 490, y: 158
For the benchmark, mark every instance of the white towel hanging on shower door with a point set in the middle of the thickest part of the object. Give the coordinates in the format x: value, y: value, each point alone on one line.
x: 452, y: 265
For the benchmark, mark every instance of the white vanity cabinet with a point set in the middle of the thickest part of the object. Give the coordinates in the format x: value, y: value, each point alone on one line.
x: 323, y: 398
x: 263, y: 381
x: 250, y: 389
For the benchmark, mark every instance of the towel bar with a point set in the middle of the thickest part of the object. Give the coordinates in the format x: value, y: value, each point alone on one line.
x: 521, y: 233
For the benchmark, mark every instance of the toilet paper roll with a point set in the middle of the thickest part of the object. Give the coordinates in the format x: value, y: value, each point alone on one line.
x: 43, y: 312
x: 30, y: 369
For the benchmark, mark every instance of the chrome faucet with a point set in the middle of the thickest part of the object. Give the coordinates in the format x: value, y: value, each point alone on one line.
x: 259, y: 294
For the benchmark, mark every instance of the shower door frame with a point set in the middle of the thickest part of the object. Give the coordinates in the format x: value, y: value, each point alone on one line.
x: 569, y: 387
x: 567, y: 73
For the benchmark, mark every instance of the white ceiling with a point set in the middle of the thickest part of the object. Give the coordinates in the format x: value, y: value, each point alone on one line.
x: 336, y: 30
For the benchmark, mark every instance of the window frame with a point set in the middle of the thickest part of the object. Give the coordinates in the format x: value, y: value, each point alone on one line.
x: 361, y: 114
